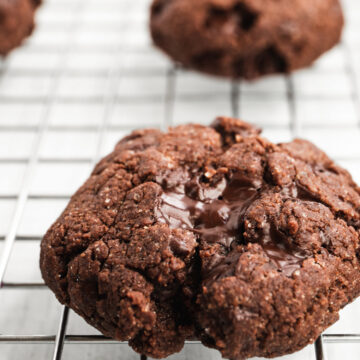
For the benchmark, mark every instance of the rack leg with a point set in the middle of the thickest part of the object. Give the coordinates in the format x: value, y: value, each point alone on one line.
x: 319, y: 349
x: 60, y: 337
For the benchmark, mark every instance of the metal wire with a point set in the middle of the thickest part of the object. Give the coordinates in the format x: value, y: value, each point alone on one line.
x: 60, y: 336
x: 169, y: 97
x: 108, y: 101
x: 319, y: 349
x: 68, y: 339
x: 235, y: 96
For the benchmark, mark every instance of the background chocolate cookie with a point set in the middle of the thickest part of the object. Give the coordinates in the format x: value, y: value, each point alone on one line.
x: 245, y: 38
x: 16, y: 22
x: 212, y: 233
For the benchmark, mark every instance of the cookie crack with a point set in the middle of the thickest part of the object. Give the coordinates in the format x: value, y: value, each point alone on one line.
x: 237, y: 19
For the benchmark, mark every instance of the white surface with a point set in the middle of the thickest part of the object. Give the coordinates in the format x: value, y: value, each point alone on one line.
x: 90, y: 63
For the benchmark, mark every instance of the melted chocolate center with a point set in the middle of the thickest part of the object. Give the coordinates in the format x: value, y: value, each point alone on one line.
x: 216, y: 214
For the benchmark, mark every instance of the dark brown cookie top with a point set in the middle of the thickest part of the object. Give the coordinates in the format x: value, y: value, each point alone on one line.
x: 16, y: 23
x: 245, y: 38
x: 212, y: 233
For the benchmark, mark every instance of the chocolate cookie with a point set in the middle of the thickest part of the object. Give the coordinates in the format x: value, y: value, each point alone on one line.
x: 245, y: 38
x: 212, y: 233
x: 16, y: 22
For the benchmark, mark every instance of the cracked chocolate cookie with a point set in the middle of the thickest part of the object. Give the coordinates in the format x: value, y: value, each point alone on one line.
x: 210, y: 233
x: 245, y: 38
x: 16, y: 22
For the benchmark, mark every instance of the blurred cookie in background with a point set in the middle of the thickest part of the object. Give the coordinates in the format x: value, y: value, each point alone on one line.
x: 16, y: 22
x: 245, y: 38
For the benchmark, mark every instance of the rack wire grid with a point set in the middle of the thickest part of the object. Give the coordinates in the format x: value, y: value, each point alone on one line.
x: 88, y: 76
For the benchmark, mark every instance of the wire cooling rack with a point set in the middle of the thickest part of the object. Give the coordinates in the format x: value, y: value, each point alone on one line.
x: 86, y: 77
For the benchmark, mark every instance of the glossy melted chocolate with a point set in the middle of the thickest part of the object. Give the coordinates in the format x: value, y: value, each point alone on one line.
x: 216, y: 214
